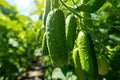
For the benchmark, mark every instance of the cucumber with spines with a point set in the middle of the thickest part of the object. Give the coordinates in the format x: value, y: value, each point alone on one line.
x: 87, y: 55
x: 77, y: 65
x: 71, y: 25
x: 55, y: 35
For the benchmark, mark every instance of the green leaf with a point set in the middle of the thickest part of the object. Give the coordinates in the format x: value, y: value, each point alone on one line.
x: 58, y: 74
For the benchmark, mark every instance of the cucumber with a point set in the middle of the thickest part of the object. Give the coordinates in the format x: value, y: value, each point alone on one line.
x: 44, y: 46
x: 71, y: 26
x: 47, y: 8
x: 103, y: 64
x: 55, y: 35
x: 87, y: 55
x: 77, y: 65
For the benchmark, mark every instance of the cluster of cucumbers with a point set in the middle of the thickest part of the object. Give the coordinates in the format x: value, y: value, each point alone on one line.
x: 61, y: 40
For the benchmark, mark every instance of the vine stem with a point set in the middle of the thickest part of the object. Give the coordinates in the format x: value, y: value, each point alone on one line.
x: 75, y: 12
x: 55, y: 4
x: 69, y: 8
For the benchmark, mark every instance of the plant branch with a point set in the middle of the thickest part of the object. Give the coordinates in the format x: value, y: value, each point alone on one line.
x: 75, y: 12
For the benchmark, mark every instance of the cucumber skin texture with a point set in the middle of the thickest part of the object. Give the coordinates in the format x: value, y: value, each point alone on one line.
x: 71, y: 26
x: 56, y: 40
x: 77, y: 65
x: 87, y: 55
x: 44, y: 45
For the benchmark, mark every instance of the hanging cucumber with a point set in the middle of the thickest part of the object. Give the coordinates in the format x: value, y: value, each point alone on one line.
x: 47, y: 8
x: 55, y: 35
x: 86, y: 47
x: 77, y: 65
x: 103, y: 64
x: 71, y: 26
x: 87, y: 55
x: 44, y: 45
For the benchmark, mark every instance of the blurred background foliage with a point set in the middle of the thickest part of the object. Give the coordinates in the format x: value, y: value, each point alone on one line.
x: 21, y: 37
x: 19, y: 41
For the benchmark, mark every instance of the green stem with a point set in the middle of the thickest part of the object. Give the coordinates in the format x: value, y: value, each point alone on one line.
x: 75, y: 13
x: 69, y: 8
x: 47, y: 8
x: 85, y: 21
x: 55, y: 3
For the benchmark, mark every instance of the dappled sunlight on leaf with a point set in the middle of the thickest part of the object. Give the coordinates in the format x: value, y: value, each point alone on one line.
x: 58, y: 74
x: 22, y: 34
x: 13, y: 42
x: 5, y: 4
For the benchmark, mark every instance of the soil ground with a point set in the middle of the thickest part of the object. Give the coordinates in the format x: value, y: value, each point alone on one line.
x: 35, y: 71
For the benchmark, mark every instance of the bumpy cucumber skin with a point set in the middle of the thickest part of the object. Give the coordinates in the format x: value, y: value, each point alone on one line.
x: 77, y: 65
x: 44, y: 45
x: 71, y: 26
x: 56, y: 40
x: 87, y: 55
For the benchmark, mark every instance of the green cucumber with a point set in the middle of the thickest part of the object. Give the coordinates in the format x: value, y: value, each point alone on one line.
x: 55, y: 35
x: 87, y: 55
x: 71, y: 26
x: 77, y: 65
x: 44, y: 45
x: 103, y: 64
x: 47, y: 8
